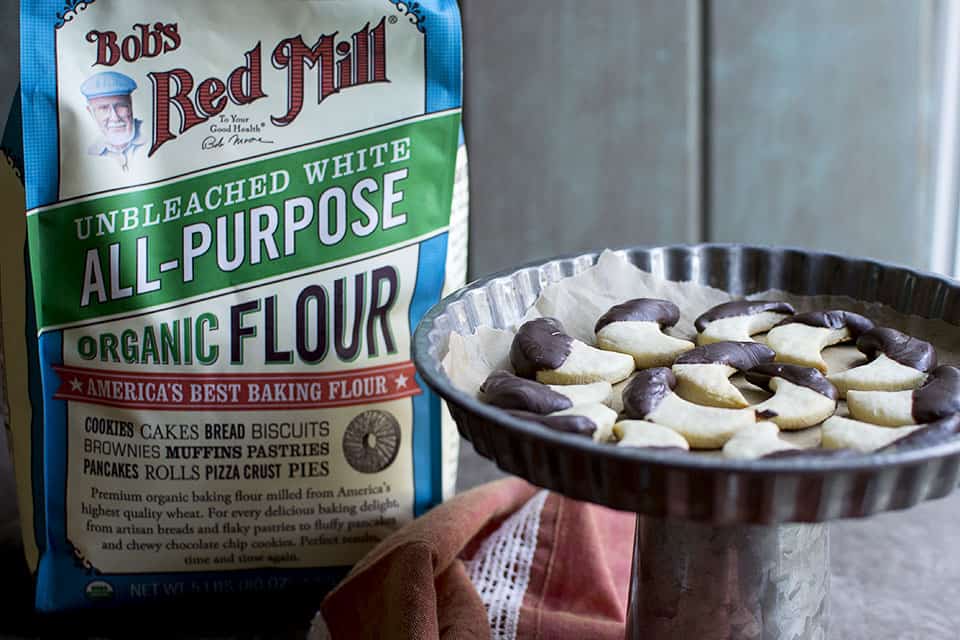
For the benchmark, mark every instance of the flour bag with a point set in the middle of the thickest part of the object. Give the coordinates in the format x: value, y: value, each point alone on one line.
x: 236, y: 213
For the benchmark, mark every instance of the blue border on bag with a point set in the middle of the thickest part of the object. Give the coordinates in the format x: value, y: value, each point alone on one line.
x: 439, y: 20
x: 38, y: 73
x: 427, y: 428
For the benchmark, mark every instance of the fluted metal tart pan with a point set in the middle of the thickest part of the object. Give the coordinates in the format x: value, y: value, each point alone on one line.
x: 671, y: 484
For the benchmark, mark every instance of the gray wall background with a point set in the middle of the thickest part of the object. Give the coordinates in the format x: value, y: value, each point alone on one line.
x: 10, y: 46
x: 595, y: 123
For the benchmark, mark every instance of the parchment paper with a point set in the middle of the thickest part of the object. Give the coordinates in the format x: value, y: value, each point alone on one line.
x: 577, y: 302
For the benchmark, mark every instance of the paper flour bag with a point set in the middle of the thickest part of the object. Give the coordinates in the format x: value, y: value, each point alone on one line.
x: 236, y: 213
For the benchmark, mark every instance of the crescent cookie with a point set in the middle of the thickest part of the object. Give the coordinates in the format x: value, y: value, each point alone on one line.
x: 756, y: 441
x: 639, y: 433
x: 937, y: 398
x: 802, y: 396
x: 897, y: 362
x: 593, y: 420
x: 799, y: 339
x: 650, y: 396
x: 542, y: 351
x: 738, y: 320
x: 843, y: 433
x: 636, y: 328
x: 507, y: 391
x: 929, y: 434
x: 703, y: 374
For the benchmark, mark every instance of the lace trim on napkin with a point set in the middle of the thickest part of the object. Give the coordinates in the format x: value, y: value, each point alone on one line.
x: 500, y: 571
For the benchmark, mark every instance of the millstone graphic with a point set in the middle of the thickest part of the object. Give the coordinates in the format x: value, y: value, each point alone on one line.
x: 371, y: 441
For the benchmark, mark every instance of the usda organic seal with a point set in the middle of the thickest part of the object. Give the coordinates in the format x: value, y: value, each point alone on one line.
x: 371, y: 441
x: 99, y: 590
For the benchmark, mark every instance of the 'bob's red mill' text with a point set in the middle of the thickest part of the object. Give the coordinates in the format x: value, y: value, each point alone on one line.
x: 359, y: 60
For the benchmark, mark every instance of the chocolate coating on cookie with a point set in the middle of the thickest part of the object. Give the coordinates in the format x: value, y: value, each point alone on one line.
x: 939, y: 396
x: 739, y: 355
x: 646, y: 390
x: 663, y: 312
x: 579, y: 425
x: 933, y: 433
x: 808, y: 377
x: 835, y: 319
x: 741, y: 308
x: 907, y: 350
x: 505, y: 390
x: 540, y: 345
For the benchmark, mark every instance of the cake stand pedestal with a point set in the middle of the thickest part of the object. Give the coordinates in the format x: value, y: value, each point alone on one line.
x: 693, y: 580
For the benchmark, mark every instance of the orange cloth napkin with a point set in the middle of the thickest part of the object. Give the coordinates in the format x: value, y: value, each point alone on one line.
x: 416, y: 583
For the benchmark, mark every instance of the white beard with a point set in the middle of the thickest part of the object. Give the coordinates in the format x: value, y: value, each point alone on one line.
x: 120, y: 138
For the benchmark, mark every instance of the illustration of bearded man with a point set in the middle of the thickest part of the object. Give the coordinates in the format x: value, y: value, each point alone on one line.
x: 110, y: 105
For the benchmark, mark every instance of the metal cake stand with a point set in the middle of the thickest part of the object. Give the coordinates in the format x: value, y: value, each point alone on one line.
x: 723, y: 548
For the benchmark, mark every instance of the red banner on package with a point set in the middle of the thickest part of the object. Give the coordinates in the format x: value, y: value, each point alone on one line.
x: 237, y: 391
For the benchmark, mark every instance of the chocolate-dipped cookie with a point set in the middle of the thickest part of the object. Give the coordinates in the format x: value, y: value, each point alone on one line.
x: 650, y: 396
x: 542, y: 351
x: 897, y: 362
x: 594, y: 420
x: 799, y: 339
x: 929, y: 434
x: 703, y: 374
x: 802, y: 396
x: 738, y: 320
x: 636, y: 328
x: 576, y: 424
x: 938, y: 397
x: 508, y: 391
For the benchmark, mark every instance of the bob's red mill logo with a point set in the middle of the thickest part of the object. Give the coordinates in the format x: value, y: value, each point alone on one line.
x: 350, y: 62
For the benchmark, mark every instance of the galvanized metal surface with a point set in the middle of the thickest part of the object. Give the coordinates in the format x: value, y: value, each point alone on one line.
x: 740, y: 582
x: 677, y: 485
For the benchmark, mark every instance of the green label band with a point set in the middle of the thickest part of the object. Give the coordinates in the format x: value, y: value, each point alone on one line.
x: 131, y: 251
